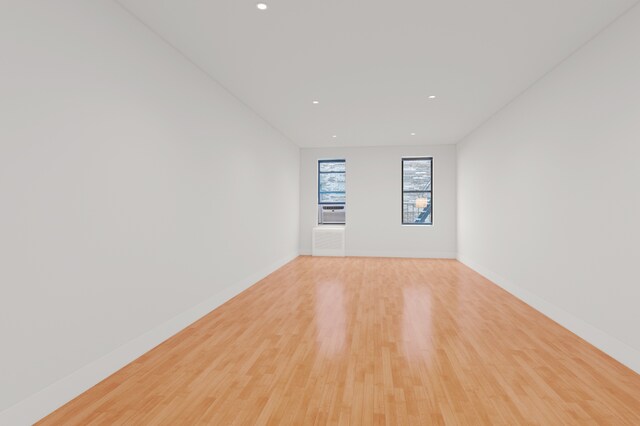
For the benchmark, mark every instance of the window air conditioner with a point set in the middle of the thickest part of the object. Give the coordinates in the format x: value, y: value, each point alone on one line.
x: 332, y: 215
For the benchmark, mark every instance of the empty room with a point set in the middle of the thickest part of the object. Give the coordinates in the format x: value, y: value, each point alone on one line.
x: 291, y: 212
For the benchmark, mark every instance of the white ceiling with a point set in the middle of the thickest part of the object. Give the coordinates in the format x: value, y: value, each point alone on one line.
x: 373, y: 64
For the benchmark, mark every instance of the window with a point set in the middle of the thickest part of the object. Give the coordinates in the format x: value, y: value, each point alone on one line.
x: 331, y: 182
x: 331, y: 192
x: 417, y: 177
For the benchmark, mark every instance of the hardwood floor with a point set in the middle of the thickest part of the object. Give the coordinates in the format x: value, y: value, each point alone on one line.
x: 367, y: 341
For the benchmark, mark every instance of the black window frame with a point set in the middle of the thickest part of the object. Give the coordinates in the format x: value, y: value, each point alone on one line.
x: 402, y: 191
x: 320, y: 202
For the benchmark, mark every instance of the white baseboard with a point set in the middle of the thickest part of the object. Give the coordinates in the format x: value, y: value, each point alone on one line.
x: 389, y: 253
x: 407, y: 254
x: 42, y: 403
x: 608, y: 344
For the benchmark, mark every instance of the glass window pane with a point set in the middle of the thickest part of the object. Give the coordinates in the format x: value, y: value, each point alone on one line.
x: 332, y: 167
x: 333, y: 198
x: 416, y: 175
x: 332, y: 182
x: 416, y: 207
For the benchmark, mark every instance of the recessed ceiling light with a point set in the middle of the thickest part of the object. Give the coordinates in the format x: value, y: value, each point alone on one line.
x: 413, y: 134
x: 262, y: 6
x: 315, y: 102
x: 334, y: 136
x: 432, y: 97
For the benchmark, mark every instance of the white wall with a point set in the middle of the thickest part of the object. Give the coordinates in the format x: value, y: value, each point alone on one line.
x: 549, y: 193
x: 374, y: 201
x: 132, y: 188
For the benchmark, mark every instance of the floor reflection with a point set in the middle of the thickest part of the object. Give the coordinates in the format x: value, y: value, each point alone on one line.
x: 417, y: 336
x: 331, y: 317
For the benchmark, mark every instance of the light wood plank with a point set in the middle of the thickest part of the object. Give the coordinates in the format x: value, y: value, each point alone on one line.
x: 367, y: 341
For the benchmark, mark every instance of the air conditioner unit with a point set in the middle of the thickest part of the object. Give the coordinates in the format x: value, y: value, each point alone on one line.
x: 331, y: 215
x: 328, y: 241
